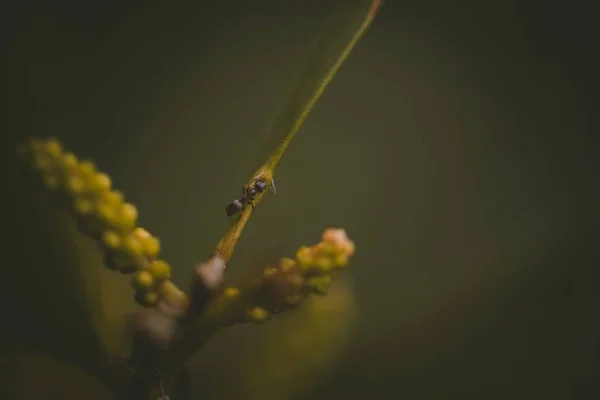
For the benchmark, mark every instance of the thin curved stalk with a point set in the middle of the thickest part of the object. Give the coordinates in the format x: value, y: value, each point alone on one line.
x: 331, y: 52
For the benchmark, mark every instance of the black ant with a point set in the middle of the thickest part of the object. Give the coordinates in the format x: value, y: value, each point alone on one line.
x: 249, y: 194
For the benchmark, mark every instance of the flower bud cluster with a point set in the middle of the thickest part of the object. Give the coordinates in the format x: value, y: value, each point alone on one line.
x: 103, y: 214
x: 313, y: 270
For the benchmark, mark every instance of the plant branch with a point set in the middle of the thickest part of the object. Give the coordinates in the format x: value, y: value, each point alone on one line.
x: 102, y: 214
x: 331, y: 52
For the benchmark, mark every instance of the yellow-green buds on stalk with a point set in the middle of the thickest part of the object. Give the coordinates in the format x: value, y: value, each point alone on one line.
x: 103, y: 214
x: 148, y: 282
x: 312, y: 271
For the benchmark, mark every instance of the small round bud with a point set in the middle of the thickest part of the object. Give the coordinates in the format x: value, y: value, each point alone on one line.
x: 339, y: 238
x: 349, y: 248
x: 258, y: 314
x: 143, y: 280
x: 106, y: 214
x: 287, y: 264
x: 127, y: 216
x: 334, y: 235
x: 83, y: 206
x: 87, y: 169
x: 146, y: 299
x: 231, y: 292
x: 160, y: 270
x: 69, y: 161
x: 304, y: 256
x: 52, y: 147
x: 340, y: 260
x: 325, y: 248
x: 113, y: 198
x: 150, y: 244
x: 132, y: 246
x: 141, y: 233
x: 75, y: 185
x: 100, y: 182
x: 319, y: 284
x: 111, y: 240
x: 323, y: 263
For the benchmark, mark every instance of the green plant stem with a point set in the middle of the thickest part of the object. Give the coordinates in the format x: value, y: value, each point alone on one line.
x: 331, y: 52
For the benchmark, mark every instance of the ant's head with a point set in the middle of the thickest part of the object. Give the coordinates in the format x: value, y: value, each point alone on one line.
x: 260, y: 185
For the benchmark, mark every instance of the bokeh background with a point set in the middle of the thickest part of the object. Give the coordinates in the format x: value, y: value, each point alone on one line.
x: 455, y: 146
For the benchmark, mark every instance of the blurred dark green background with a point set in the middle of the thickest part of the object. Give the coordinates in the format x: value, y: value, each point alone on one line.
x: 454, y: 146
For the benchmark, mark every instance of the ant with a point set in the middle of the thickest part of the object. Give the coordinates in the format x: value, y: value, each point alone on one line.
x: 249, y: 194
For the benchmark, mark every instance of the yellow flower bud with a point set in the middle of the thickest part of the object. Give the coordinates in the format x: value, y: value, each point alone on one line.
x: 113, y: 198
x: 69, y: 161
x: 132, y: 246
x: 258, y: 314
x: 349, y: 247
x: 141, y: 232
x: 304, y: 256
x: 340, y: 260
x: 87, y: 169
x: 75, y: 185
x: 324, y: 248
x: 146, y: 299
x: 52, y: 147
x: 143, y: 280
x: 150, y: 244
x: 323, y: 263
x: 127, y: 216
x: 106, y: 214
x: 319, y: 284
x: 83, y: 206
x: 160, y: 270
x: 99, y: 183
x: 231, y: 292
x: 111, y: 239
x: 287, y: 264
